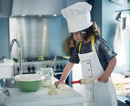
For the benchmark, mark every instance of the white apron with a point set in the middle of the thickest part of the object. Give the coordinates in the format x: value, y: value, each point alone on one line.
x: 97, y: 94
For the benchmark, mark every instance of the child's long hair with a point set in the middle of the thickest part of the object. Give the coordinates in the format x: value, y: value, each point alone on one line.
x: 92, y: 30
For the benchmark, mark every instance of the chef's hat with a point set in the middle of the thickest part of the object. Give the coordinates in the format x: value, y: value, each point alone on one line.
x: 78, y: 16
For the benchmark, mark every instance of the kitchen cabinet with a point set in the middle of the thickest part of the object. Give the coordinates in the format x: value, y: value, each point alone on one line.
x: 5, y: 8
x: 6, y: 68
x: 65, y: 97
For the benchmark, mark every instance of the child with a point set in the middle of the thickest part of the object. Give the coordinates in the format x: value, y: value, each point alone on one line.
x: 96, y: 57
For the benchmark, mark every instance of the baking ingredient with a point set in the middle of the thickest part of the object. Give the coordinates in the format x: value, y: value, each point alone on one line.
x: 52, y: 92
x: 61, y: 86
x: 52, y: 87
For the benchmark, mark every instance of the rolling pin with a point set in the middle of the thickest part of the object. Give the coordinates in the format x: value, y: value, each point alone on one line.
x: 86, y: 81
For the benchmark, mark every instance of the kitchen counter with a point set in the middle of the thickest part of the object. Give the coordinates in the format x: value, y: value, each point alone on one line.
x: 65, y: 97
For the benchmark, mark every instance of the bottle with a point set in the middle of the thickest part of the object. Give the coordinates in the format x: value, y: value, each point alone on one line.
x: 48, y: 74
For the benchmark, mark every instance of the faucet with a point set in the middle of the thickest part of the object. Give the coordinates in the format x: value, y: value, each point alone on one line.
x: 20, y: 53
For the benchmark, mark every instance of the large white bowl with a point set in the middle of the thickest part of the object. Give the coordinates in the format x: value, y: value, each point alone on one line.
x: 29, y: 82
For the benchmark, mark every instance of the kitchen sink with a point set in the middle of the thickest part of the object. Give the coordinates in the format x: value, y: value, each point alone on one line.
x: 8, y: 83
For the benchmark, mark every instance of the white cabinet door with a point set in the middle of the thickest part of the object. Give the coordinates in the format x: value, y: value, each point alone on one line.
x: 6, y: 69
x: 6, y: 72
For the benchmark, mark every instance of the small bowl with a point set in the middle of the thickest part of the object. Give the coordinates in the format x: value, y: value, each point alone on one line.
x: 29, y: 82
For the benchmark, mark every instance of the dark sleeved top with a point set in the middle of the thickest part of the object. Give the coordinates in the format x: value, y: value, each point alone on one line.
x: 104, y: 52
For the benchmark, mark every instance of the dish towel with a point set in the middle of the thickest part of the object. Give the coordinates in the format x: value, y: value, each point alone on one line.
x: 127, y: 22
x: 2, y: 98
x: 118, y: 44
x: 4, y: 94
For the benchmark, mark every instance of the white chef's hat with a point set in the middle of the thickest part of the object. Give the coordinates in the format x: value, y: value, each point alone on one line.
x: 78, y: 16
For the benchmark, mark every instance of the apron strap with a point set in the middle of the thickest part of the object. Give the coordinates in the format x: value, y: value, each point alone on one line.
x: 80, y: 46
x: 92, y: 44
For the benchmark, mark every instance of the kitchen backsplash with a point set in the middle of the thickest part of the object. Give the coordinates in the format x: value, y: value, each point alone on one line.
x: 39, y: 36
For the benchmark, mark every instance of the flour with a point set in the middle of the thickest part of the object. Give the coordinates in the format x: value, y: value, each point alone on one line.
x: 52, y: 87
x: 61, y: 86
x: 52, y: 92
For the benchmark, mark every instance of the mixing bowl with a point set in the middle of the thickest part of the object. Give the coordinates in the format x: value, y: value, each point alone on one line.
x: 29, y: 82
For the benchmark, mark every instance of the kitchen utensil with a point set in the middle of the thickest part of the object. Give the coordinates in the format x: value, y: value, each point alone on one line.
x: 12, y: 80
x: 86, y: 81
x: 29, y: 82
x: 54, y: 60
x: 69, y: 44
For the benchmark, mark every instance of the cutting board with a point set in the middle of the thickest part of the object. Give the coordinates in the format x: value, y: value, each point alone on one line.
x: 69, y: 45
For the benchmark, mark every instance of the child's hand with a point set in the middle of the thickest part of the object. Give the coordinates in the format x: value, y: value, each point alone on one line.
x: 104, y: 78
x: 59, y: 82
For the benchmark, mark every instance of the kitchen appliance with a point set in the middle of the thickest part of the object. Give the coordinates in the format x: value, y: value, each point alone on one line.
x: 32, y: 65
x: 37, y: 7
x: 40, y: 7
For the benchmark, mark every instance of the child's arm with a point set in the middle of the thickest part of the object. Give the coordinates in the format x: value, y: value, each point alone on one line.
x: 65, y: 73
x: 111, y: 65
